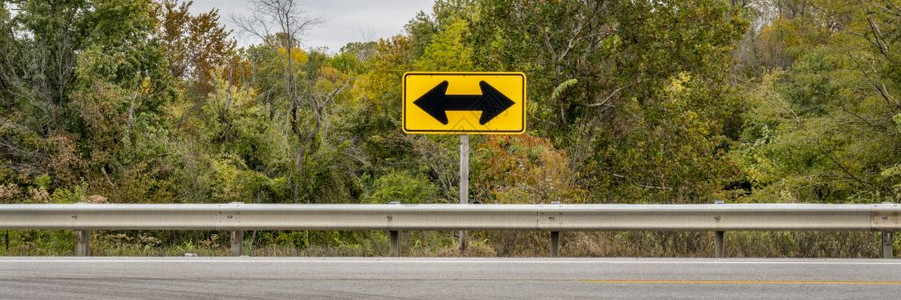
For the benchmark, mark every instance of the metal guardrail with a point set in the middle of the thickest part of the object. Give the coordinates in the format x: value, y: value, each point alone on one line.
x: 394, y: 218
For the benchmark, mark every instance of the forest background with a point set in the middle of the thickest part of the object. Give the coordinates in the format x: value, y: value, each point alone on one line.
x: 747, y: 101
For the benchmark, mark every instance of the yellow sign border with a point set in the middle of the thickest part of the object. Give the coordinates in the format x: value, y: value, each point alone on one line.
x: 498, y: 132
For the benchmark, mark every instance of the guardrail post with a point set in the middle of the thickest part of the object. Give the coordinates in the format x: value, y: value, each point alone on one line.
x: 888, y: 242
x: 83, y: 243
x: 555, y: 244
x: 394, y: 243
x: 720, y: 243
x: 237, y: 242
x: 719, y: 237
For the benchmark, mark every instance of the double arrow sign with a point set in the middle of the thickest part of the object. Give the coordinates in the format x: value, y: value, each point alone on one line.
x: 437, y: 102
x: 500, y: 97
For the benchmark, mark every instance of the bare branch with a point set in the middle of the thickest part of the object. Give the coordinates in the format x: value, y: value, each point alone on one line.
x: 608, y: 97
x: 879, y: 40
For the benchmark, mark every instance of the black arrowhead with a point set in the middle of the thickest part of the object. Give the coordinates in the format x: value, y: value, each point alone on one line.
x: 433, y: 102
x: 436, y: 102
x: 493, y: 102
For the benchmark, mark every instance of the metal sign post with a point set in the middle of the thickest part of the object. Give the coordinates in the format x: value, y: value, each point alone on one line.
x: 464, y: 181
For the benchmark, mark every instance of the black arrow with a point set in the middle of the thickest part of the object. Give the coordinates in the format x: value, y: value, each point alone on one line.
x: 491, y: 102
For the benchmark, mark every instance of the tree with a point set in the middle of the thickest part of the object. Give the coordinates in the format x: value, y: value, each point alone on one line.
x: 195, y: 44
x: 87, y: 90
x: 288, y: 19
x: 822, y: 130
x: 628, y: 89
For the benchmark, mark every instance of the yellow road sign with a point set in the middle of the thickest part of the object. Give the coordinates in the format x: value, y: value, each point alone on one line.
x: 464, y: 103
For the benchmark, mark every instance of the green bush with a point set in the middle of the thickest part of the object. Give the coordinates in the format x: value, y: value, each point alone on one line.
x: 402, y: 187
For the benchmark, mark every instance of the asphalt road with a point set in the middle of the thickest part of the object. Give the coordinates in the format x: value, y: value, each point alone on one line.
x: 442, y: 278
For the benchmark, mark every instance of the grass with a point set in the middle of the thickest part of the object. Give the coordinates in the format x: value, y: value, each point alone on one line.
x: 445, y: 244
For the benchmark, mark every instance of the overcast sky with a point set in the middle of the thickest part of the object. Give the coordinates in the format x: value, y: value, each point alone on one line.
x: 343, y: 20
